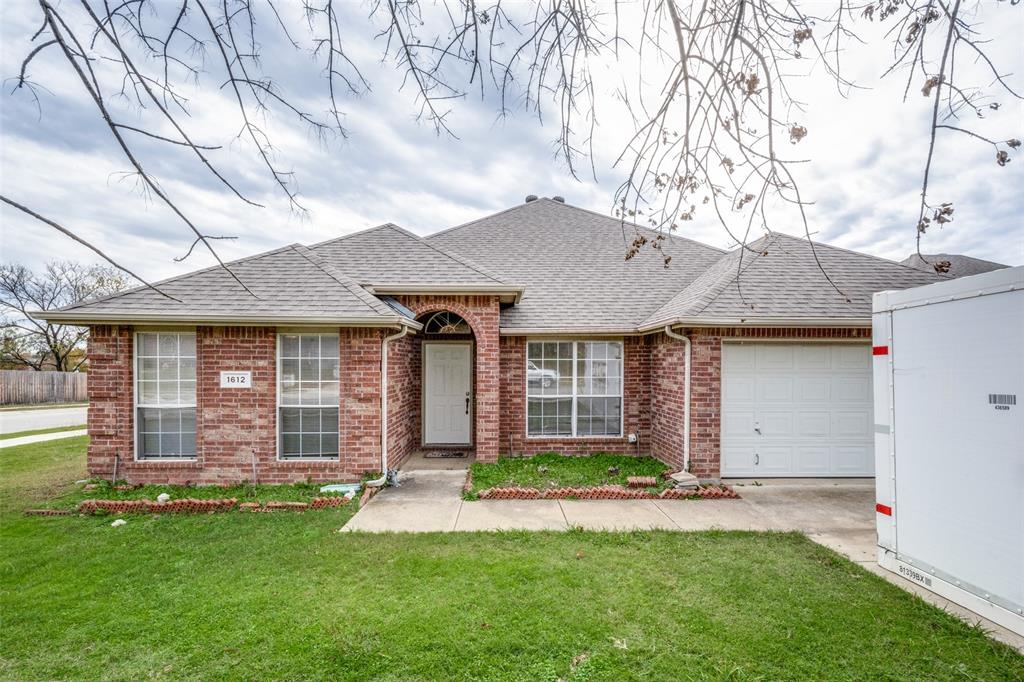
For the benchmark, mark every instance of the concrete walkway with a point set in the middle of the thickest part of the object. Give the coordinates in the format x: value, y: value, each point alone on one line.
x: 431, y: 501
x: 41, y: 437
x: 837, y: 513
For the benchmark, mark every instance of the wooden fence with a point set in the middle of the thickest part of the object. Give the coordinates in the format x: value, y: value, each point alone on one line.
x: 19, y: 387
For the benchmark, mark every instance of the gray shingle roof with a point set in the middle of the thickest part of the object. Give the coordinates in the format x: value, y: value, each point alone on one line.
x: 388, y: 254
x: 778, y: 277
x: 571, y: 263
x: 959, y: 265
x: 289, y: 283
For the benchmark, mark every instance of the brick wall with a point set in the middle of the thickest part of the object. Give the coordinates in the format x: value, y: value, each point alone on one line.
x: 636, y: 404
x: 234, y: 426
x: 403, y: 399
x: 668, y: 394
x: 110, y: 397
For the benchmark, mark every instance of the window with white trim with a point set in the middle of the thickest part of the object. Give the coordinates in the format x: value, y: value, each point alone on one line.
x: 165, y: 395
x: 307, y: 389
x: 574, y: 388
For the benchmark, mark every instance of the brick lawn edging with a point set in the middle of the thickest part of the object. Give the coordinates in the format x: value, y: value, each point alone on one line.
x: 192, y: 506
x: 609, y: 492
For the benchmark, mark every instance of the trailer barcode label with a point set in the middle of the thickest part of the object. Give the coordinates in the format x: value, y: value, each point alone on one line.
x: 1002, y: 401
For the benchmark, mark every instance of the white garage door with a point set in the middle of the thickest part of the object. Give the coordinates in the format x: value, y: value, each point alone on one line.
x: 796, y: 410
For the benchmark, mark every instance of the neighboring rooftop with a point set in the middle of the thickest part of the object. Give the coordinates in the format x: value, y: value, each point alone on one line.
x: 959, y: 265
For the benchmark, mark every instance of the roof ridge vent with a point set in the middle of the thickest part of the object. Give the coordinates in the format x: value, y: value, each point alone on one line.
x: 560, y: 200
x: 531, y: 198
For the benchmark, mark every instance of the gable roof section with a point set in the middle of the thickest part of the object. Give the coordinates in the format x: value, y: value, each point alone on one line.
x: 389, y: 259
x: 959, y: 265
x: 291, y: 285
x: 777, y: 279
x: 572, y: 264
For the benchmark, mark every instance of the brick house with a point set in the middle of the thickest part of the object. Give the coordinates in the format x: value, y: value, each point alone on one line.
x: 522, y: 332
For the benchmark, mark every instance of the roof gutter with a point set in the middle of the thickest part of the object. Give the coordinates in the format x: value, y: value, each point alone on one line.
x: 688, y: 322
x: 686, y: 393
x: 758, y: 322
x: 567, y: 331
x: 72, y: 317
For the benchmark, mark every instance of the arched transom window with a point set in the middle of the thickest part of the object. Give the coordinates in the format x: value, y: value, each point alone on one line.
x: 444, y: 322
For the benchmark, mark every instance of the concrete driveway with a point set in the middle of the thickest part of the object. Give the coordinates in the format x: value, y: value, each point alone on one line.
x: 13, y: 421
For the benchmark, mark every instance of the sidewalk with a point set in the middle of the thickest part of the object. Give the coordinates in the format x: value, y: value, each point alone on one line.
x: 41, y: 438
x: 431, y: 501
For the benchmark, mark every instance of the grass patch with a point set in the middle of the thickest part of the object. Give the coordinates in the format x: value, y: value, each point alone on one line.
x: 41, y: 406
x: 271, y: 596
x: 40, y: 472
x: 551, y: 470
x: 39, y: 432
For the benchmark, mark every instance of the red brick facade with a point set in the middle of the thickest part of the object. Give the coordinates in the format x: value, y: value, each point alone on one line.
x: 403, y: 399
x: 237, y: 427
x: 636, y: 404
x: 668, y: 426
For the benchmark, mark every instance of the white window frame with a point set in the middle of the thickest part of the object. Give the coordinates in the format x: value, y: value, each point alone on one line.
x: 277, y: 392
x: 136, y: 378
x: 575, y: 392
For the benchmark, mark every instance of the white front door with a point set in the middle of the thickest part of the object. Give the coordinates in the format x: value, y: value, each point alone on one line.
x: 447, y: 399
x: 791, y: 409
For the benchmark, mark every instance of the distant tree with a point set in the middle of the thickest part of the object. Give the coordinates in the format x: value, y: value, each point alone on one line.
x: 716, y: 138
x: 27, y: 342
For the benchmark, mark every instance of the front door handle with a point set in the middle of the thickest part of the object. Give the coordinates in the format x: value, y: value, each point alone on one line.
x: 467, y: 404
x: 757, y: 459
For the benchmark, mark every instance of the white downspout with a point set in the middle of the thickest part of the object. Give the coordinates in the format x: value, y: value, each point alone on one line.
x: 686, y: 394
x: 376, y: 483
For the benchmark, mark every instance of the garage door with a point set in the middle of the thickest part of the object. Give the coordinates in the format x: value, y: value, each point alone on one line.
x: 796, y: 410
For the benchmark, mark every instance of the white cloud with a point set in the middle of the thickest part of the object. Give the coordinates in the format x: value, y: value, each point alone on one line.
x: 866, y: 152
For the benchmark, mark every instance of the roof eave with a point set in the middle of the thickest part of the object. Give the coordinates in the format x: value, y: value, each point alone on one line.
x: 506, y: 293
x: 798, y: 322
x: 84, y: 319
x: 568, y: 331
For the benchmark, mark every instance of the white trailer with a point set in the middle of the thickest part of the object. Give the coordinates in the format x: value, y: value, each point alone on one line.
x: 949, y: 439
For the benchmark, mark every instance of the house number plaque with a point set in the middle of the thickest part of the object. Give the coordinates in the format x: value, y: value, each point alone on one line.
x: 236, y: 379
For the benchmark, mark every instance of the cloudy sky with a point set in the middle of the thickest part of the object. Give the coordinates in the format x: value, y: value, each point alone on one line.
x: 866, y: 155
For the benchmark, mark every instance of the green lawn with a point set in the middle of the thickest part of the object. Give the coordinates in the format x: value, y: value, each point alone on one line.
x: 37, y: 432
x: 41, y: 406
x: 284, y: 596
x: 551, y: 470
